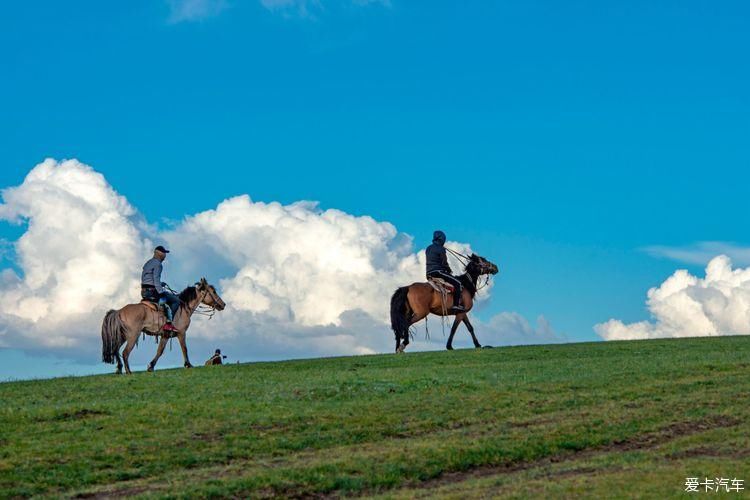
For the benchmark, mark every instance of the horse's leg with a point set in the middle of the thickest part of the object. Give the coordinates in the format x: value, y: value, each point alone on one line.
x: 402, y: 340
x: 416, y: 317
x: 131, y: 338
x: 405, y: 335
x: 159, y: 351
x: 418, y: 301
x: 119, y: 361
x: 399, y: 335
x: 183, y: 346
x: 456, y: 322
x: 471, y: 331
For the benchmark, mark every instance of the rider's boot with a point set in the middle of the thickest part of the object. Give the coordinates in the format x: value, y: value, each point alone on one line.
x: 457, y: 307
x: 168, y: 326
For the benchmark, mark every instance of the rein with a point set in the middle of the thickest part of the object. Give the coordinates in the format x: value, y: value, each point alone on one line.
x: 465, y: 260
x: 205, y: 310
x: 200, y: 309
x: 486, y: 282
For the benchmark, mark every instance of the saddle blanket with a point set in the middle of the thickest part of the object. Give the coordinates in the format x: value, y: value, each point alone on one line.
x: 150, y: 305
x: 440, y: 285
x: 156, y: 321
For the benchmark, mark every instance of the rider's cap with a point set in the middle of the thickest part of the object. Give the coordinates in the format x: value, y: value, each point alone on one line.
x: 438, y: 236
x: 161, y: 249
x: 218, y: 351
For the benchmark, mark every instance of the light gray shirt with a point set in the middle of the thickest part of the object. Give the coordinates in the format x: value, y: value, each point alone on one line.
x: 152, y: 274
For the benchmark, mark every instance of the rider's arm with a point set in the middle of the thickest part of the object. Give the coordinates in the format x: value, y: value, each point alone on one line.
x: 157, y: 278
x: 444, y: 256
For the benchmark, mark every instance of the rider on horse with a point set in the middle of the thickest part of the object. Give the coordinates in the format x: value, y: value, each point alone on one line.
x: 437, y: 267
x: 152, y: 287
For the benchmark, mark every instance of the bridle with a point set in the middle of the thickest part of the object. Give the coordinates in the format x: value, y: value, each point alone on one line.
x: 203, y: 309
x: 466, y: 260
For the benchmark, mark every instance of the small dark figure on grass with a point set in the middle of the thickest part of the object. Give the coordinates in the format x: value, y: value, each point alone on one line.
x: 216, y: 358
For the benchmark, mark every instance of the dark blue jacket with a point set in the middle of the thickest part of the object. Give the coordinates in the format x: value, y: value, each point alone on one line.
x: 437, y: 259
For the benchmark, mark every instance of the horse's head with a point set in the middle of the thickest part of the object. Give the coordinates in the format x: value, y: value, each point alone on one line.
x: 479, y: 265
x: 211, y: 298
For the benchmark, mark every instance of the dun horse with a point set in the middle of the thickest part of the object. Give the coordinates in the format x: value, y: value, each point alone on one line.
x: 125, y: 326
x: 412, y: 303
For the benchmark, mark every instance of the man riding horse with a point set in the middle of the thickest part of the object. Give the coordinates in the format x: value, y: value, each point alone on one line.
x: 413, y: 303
x: 438, y: 267
x: 152, y: 287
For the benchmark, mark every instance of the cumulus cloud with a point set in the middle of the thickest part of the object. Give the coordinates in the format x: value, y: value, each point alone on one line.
x: 297, y: 262
x: 77, y: 254
x: 689, y: 306
x: 298, y: 280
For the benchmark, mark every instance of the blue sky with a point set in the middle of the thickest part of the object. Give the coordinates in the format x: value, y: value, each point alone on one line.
x: 559, y: 139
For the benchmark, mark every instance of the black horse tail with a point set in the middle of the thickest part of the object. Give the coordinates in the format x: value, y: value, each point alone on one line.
x: 400, y: 312
x: 113, y: 335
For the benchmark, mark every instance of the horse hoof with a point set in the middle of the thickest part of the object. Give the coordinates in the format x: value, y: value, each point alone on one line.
x: 188, y: 365
x: 477, y: 346
x: 449, y: 347
x: 150, y: 368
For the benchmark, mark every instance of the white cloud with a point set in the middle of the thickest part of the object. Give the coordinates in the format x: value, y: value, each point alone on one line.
x: 194, y: 10
x: 702, y: 252
x: 688, y: 306
x: 306, y: 8
x: 197, y: 10
x: 77, y: 254
x: 509, y: 328
x: 297, y: 262
x: 298, y: 280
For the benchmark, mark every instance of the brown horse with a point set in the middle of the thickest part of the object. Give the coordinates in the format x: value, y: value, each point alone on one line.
x: 410, y: 304
x: 126, y: 325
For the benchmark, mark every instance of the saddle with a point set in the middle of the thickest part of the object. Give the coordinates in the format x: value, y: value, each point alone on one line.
x: 160, y: 319
x: 440, y: 285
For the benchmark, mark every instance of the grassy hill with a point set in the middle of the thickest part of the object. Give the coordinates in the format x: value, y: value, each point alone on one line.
x: 598, y: 419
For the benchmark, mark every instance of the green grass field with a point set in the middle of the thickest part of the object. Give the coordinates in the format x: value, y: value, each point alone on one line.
x: 623, y: 419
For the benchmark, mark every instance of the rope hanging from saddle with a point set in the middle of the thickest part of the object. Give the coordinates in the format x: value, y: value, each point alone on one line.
x: 441, y: 288
x: 200, y: 309
x: 465, y: 260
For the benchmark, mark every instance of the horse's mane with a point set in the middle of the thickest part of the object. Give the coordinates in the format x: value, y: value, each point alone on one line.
x: 468, y: 279
x: 188, y: 294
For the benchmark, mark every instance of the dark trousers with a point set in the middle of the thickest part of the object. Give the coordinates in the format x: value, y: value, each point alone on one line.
x: 171, y: 300
x: 457, y: 287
